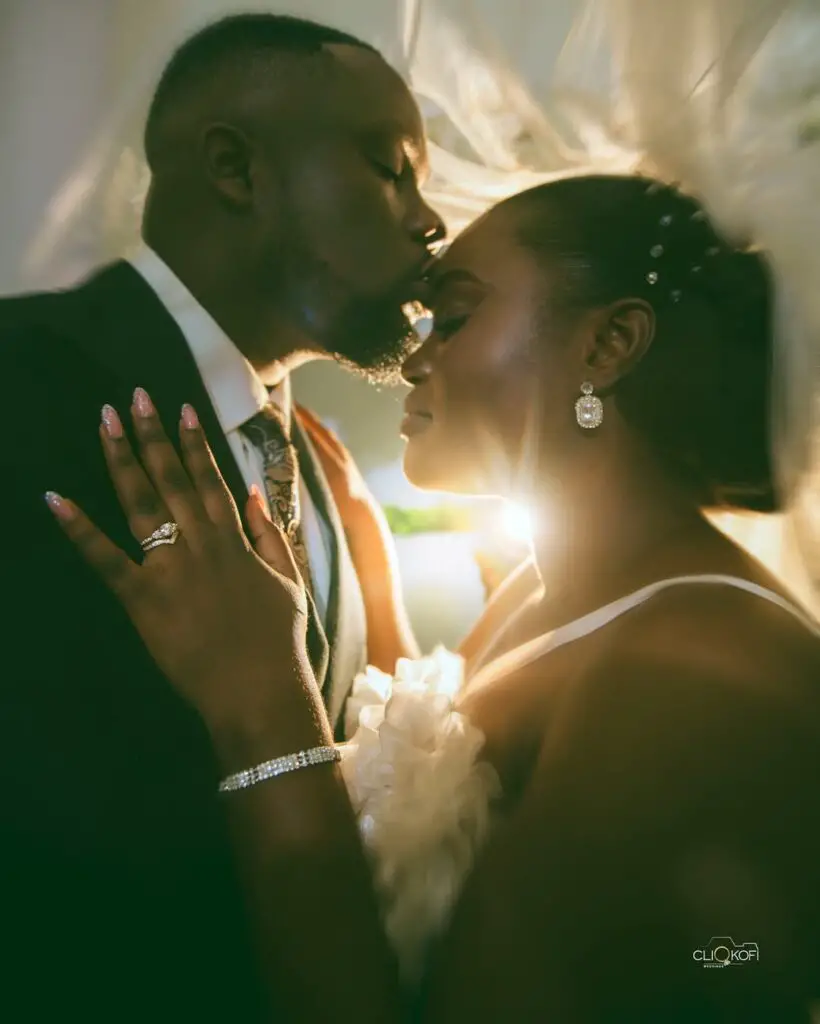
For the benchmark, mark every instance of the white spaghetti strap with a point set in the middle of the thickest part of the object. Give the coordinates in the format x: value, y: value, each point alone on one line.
x: 595, y: 620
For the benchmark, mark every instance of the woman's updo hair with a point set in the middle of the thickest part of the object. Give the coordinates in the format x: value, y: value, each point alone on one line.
x: 701, y: 393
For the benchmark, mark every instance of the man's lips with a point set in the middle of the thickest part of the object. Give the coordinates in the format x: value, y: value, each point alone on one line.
x: 419, y: 288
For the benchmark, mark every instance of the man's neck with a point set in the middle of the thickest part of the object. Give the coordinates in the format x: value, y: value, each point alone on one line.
x: 271, y: 345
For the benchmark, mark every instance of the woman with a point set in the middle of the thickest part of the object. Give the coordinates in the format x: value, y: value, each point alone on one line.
x: 654, y: 723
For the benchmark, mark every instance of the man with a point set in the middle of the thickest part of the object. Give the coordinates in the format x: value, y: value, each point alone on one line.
x: 283, y: 223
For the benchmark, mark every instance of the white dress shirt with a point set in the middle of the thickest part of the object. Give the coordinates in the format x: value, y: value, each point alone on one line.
x: 237, y: 394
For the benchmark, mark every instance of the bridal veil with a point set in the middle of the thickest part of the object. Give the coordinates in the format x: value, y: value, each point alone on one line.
x: 720, y: 96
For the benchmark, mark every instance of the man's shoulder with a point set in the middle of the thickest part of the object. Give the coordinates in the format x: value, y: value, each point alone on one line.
x: 53, y: 336
x: 35, y: 350
x: 47, y: 367
x: 109, y: 290
x: 32, y: 308
x: 35, y: 355
x: 26, y: 321
x: 24, y: 308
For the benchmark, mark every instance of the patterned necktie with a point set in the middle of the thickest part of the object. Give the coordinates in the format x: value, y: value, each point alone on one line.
x: 268, y: 433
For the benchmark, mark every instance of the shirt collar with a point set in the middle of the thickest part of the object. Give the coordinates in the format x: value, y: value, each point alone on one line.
x: 234, y: 387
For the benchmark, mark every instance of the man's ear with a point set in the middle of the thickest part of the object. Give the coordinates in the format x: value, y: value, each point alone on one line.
x: 620, y: 338
x: 227, y: 153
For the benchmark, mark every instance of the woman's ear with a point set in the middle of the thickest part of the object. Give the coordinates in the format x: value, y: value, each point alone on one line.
x: 621, y: 337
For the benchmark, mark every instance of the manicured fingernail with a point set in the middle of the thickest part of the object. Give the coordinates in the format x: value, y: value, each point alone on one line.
x: 111, y: 422
x: 142, y: 403
x: 61, y: 508
x: 190, y: 420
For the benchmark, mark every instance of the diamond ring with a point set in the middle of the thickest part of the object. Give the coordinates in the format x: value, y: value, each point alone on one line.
x: 168, y: 533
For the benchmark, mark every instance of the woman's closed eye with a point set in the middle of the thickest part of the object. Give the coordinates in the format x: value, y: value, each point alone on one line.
x: 446, y: 326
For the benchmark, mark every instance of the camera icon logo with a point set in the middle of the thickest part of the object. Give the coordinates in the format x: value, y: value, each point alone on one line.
x: 722, y: 951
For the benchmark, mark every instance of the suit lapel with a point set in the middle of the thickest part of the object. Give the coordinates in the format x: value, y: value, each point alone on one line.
x: 119, y: 320
x: 346, y: 627
x: 129, y: 330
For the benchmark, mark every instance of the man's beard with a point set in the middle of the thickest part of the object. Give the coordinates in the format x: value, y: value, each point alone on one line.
x: 373, y: 340
x: 371, y: 336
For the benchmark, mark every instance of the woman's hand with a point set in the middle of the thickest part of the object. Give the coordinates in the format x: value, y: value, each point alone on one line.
x: 225, y: 627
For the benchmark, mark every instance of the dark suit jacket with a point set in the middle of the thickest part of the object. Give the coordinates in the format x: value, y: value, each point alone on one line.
x: 118, y: 899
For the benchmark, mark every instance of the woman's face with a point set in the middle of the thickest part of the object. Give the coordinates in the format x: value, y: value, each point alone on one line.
x: 492, y: 376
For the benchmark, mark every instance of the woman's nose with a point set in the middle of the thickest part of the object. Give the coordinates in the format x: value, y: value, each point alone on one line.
x: 417, y: 367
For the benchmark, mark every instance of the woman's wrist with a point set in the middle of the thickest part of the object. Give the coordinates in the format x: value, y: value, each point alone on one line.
x: 289, y: 720
x: 243, y: 745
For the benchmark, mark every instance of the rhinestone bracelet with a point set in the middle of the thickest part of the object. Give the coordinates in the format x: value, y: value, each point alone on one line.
x: 279, y: 766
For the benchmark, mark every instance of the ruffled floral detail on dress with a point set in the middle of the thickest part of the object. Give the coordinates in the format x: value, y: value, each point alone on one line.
x: 421, y: 793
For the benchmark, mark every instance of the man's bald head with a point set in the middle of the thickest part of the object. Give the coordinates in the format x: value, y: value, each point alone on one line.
x: 288, y: 155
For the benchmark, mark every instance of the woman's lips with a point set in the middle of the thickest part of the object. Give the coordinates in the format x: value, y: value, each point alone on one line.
x: 415, y: 423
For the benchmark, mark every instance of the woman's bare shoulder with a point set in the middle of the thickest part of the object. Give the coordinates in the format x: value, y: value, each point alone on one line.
x: 723, y: 634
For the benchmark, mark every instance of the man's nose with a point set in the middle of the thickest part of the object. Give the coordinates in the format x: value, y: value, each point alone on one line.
x: 425, y: 224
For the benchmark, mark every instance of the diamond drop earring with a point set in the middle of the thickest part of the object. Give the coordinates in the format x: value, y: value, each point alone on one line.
x: 589, y: 410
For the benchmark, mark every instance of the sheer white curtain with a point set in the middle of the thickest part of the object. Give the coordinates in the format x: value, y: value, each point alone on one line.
x: 53, y: 92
